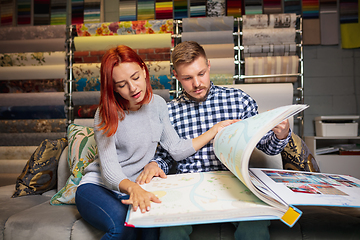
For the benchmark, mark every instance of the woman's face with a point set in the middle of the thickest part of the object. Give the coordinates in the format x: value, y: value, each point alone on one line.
x: 129, y: 80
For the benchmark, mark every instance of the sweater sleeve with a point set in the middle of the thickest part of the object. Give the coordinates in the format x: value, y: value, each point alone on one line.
x: 177, y: 147
x: 110, y: 167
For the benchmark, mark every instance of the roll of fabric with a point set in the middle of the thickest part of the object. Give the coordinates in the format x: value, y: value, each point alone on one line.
x: 32, y: 112
x: 208, y: 24
x: 33, y: 32
x: 32, y: 59
x: 133, y: 41
x: 85, y: 111
x: 222, y: 66
x: 270, y: 66
x: 33, y: 72
x: 86, y: 98
x: 255, y: 21
x: 58, y: 12
x: 26, y: 86
x: 282, y: 20
x: 32, y: 125
x: 222, y: 79
x: 32, y: 99
x: 125, y: 28
x: 269, y: 36
x: 214, y: 37
x: 28, y: 139
x: 32, y: 45
x: 270, y: 50
x: 219, y: 50
x: 161, y: 82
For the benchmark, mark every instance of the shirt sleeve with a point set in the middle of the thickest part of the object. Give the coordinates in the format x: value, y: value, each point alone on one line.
x: 111, y: 170
x: 271, y: 145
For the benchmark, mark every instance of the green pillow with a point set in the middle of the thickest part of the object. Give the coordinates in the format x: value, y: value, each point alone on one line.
x: 82, y: 151
x: 40, y: 172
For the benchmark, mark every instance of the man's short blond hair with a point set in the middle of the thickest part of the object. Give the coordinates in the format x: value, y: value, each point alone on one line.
x: 187, y: 52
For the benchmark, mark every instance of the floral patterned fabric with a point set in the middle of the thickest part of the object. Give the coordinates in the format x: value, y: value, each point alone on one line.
x: 125, y: 28
x: 32, y: 59
x: 82, y: 151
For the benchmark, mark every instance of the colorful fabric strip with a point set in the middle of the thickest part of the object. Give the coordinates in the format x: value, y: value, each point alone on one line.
x: 127, y: 10
x: 23, y: 12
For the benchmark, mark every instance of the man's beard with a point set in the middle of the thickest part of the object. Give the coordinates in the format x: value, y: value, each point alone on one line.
x: 197, y: 99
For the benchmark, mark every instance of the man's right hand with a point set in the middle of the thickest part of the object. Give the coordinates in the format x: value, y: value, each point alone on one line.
x: 150, y: 170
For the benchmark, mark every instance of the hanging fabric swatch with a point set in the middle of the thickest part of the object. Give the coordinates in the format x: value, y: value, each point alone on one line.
x: 253, y: 7
x: 208, y: 24
x: 164, y: 9
x: 350, y: 34
x: 272, y: 6
x: 349, y: 11
x: 41, y: 12
x: 215, y: 8
x: 145, y: 9
x: 24, y: 86
x: 127, y: 10
x: 235, y: 8
x: 197, y: 8
x: 271, y: 66
x: 92, y: 11
x: 23, y: 12
x: 292, y: 6
x: 77, y: 11
x: 310, y: 9
x: 329, y: 22
x: 180, y: 9
x: 311, y: 31
x: 125, y: 28
x: 7, y: 12
x: 58, y: 12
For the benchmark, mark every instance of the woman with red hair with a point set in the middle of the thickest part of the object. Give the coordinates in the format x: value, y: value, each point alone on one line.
x: 129, y: 124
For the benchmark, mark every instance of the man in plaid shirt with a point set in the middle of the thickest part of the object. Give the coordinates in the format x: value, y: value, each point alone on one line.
x: 196, y: 110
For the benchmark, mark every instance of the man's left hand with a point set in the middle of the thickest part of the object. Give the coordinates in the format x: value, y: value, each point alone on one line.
x: 282, y: 129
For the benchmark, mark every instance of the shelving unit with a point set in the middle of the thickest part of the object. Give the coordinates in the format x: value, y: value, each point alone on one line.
x: 333, y: 162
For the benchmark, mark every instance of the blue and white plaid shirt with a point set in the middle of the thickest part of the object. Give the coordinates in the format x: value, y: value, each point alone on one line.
x: 191, y: 119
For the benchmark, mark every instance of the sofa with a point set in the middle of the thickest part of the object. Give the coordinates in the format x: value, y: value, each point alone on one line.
x: 33, y: 217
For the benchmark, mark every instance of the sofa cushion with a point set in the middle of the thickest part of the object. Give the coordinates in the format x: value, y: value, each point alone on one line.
x: 82, y: 151
x: 40, y: 172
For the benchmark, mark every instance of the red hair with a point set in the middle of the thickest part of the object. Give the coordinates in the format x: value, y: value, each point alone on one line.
x: 112, y: 105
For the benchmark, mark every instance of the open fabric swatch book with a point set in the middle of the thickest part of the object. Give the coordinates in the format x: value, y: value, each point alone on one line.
x: 243, y: 194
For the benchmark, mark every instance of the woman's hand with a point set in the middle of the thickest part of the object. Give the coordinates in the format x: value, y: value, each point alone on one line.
x: 220, y: 125
x: 150, y: 170
x: 138, y: 197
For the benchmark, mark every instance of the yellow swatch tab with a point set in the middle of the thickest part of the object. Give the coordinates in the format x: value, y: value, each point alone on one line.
x: 291, y: 216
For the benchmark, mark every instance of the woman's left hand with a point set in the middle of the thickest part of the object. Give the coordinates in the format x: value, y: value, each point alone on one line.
x: 150, y: 170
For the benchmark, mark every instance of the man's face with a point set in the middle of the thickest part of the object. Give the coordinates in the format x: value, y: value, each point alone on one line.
x: 195, y: 78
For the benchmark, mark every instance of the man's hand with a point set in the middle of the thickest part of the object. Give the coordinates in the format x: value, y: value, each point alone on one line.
x: 282, y: 129
x: 150, y: 170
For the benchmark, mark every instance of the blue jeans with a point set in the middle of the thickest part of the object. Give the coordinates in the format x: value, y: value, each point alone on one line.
x: 103, y: 209
x: 246, y: 230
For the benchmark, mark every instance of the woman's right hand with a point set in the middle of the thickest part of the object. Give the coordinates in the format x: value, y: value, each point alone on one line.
x: 138, y: 197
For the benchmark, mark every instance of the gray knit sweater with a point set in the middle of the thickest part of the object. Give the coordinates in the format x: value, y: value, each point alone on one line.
x: 125, y: 154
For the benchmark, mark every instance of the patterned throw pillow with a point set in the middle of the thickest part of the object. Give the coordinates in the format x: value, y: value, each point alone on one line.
x: 297, y: 156
x: 82, y: 151
x: 40, y: 172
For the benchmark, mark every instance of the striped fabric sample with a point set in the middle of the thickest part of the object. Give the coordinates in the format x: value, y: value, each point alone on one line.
x: 77, y: 11
x: 41, y: 12
x: 349, y: 11
x: 292, y: 6
x: 23, y: 12
x: 145, y: 9
x: 7, y: 12
x: 58, y: 12
x: 197, y: 8
x: 253, y: 7
x: 310, y: 9
x: 272, y: 6
x: 270, y: 66
x: 235, y: 8
x: 180, y: 9
x: 164, y: 9
x: 92, y: 11
x: 127, y: 10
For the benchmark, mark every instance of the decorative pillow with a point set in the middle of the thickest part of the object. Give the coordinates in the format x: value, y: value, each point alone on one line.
x: 297, y: 156
x: 40, y: 171
x: 82, y: 151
